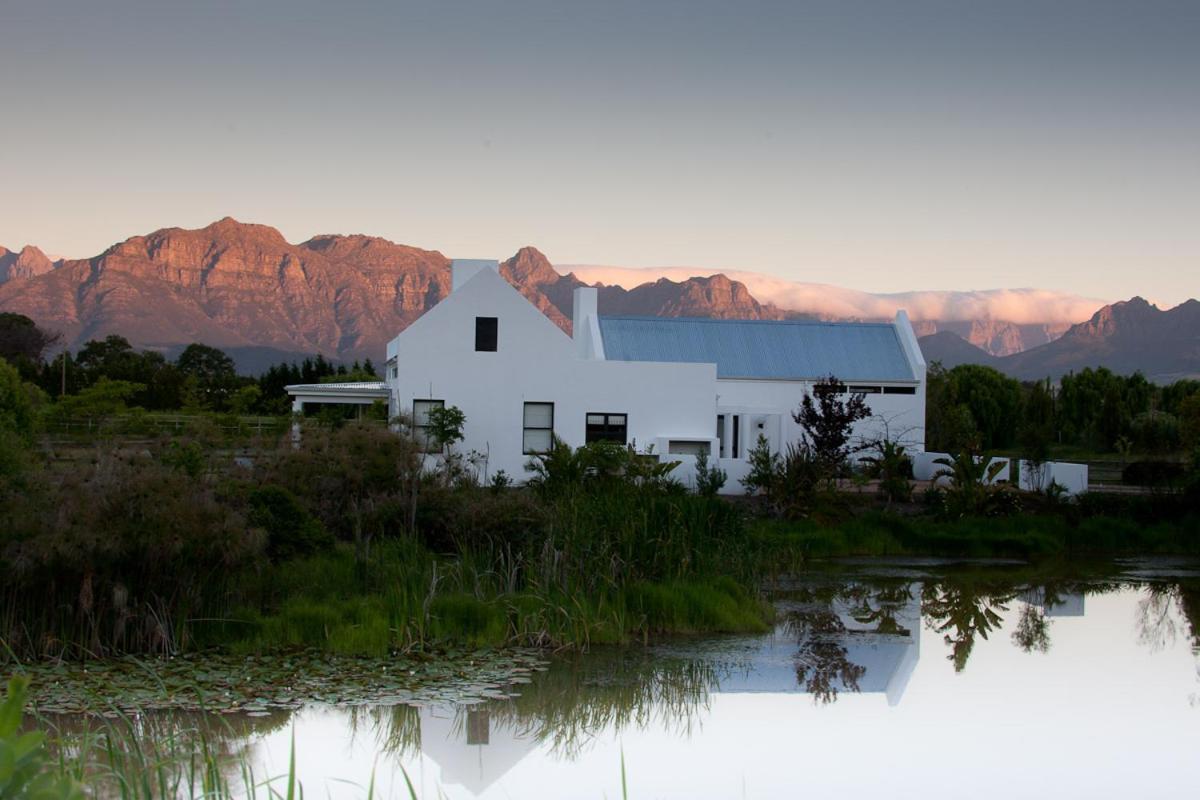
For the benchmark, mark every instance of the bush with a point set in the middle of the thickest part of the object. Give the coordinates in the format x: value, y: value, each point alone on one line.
x: 291, y: 530
x: 709, y: 480
x: 1158, y: 474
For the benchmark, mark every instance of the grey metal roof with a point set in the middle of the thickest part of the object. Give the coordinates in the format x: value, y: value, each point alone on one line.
x: 771, y: 350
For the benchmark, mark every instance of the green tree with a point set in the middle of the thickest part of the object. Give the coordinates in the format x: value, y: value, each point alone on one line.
x: 1036, y: 433
x: 1189, y: 421
x: 114, y: 358
x: 16, y: 407
x: 213, y: 371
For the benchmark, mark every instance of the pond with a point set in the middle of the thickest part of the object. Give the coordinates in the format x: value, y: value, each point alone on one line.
x: 898, y: 679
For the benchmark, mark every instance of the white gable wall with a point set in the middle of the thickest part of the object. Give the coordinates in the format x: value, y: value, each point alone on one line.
x: 536, y: 362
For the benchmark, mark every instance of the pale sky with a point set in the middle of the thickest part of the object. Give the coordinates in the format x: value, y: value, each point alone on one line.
x: 882, y: 146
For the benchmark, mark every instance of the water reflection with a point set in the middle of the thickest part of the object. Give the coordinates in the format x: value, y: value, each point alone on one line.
x: 1102, y: 659
x: 852, y: 637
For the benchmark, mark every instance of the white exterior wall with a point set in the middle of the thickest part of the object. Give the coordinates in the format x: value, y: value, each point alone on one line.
x: 1072, y: 477
x: 771, y: 403
x: 537, y: 362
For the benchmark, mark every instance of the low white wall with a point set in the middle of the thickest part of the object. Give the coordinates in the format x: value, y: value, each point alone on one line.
x: 1072, y: 477
x: 925, y: 468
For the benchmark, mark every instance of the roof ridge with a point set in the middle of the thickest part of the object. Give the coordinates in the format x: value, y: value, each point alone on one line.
x: 723, y: 320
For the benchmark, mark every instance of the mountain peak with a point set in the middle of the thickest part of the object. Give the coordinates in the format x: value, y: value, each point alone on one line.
x: 529, y: 267
x: 29, y: 262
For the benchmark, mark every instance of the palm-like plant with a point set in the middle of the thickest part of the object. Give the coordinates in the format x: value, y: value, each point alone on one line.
x: 972, y: 481
x: 893, y: 468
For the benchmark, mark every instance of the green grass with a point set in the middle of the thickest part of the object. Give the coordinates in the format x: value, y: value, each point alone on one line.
x: 1018, y: 536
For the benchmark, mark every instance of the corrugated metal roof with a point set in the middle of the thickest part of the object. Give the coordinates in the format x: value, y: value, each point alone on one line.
x: 358, y: 387
x: 772, y: 350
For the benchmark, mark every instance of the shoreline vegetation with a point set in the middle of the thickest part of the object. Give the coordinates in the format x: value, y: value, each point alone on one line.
x: 346, y: 544
x: 156, y: 507
x: 358, y: 539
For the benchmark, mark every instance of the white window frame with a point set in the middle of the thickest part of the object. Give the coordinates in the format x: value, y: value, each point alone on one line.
x: 526, y: 428
x: 420, y: 422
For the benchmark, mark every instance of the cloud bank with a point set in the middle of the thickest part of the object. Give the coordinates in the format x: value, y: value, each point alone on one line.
x: 1019, y: 306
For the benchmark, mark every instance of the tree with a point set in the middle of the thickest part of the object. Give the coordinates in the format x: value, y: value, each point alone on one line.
x: 1036, y: 433
x: 16, y: 407
x: 214, y: 374
x: 22, y: 342
x: 828, y: 422
x: 1189, y: 421
x: 160, y: 383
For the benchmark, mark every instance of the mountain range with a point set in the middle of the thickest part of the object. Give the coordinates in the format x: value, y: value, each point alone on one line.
x: 246, y: 289
x: 1130, y: 336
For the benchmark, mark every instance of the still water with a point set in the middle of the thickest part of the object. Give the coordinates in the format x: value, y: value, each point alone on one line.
x: 897, y: 680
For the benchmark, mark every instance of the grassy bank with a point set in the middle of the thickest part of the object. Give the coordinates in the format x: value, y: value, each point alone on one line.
x: 1060, y: 535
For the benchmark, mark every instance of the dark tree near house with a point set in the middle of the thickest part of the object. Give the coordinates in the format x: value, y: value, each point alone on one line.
x: 828, y: 420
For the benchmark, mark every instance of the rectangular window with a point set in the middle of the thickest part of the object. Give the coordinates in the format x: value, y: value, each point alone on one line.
x: 899, y: 390
x: 865, y: 390
x: 486, y: 334
x: 687, y: 447
x: 538, y: 434
x: 724, y: 446
x: 420, y: 424
x: 735, y: 451
x: 602, y: 427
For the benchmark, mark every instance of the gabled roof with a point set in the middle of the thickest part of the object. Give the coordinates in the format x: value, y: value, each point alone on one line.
x: 760, y: 349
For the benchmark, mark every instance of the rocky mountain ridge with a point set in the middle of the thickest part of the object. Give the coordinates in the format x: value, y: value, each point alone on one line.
x: 1130, y: 336
x: 245, y: 288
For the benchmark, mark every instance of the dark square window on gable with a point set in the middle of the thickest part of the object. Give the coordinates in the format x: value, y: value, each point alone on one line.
x: 486, y: 333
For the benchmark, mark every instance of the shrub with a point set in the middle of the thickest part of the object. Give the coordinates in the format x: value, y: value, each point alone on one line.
x: 709, y: 480
x: 1161, y: 474
x: 291, y: 530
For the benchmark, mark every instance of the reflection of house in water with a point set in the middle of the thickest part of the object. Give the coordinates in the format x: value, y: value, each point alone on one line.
x: 1055, y: 604
x: 854, y: 642
x: 471, y: 752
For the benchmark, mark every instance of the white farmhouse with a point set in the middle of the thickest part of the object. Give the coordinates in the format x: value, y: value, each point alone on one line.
x: 680, y: 386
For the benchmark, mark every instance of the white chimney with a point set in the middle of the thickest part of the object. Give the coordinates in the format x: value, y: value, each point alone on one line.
x: 585, y: 323
x: 463, y: 269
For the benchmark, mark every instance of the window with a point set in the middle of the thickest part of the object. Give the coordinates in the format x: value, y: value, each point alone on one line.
x: 538, y: 436
x: 899, y: 390
x: 728, y: 432
x: 865, y: 390
x: 687, y: 447
x: 486, y: 334
x: 420, y: 425
x: 605, y: 428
